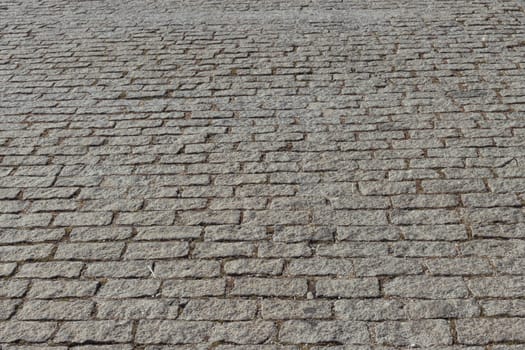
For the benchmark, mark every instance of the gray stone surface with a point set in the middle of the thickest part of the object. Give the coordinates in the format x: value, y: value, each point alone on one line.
x: 262, y: 175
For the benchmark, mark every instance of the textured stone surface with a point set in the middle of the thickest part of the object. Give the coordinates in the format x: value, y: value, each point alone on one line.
x: 262, y: 175
x: 414, y: 333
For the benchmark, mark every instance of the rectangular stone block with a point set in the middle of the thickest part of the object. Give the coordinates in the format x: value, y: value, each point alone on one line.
x: 193, y: 288
x: 370, y: 309
x: 89, y: 251
x: 387, y: 266
x: 243, y: 332
x: 347, y: 288
x: 269, y: 287
x: 426, y: 287
x: 254, y: 267
x: 83, y: 219
x: 156, y: 250
x: 55, y: 310
x: 219, y: 310
x: 26, y: 331
x: 295, y: 309
x: 172, y: 332
x: 129, y: 288
x: 94, y: 331
x: 423, y: 333
x: 498, y: 287
x: 313, y: 331
x: 58, y: 288
x: 51, y: 269
x: 136, y: 309
x: 482, y: 331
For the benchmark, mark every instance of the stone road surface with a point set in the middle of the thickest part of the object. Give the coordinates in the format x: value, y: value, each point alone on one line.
x: 262, y: 175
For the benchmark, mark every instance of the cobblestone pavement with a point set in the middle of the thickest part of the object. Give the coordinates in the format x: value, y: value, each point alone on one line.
x: 262, y: 175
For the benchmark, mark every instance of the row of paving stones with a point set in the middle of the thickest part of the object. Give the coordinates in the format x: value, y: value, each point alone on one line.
x: 423, y: 332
